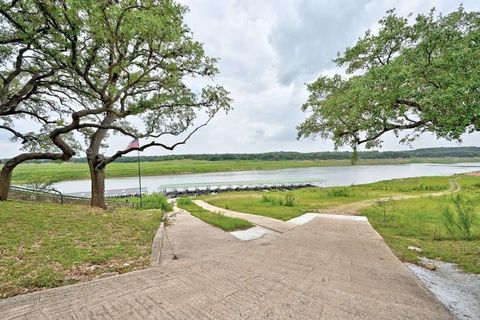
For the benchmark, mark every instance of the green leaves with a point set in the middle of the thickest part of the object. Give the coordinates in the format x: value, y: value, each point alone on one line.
x: 408, y: 78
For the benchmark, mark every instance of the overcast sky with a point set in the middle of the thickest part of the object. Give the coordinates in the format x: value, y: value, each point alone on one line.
x: 268, y: 50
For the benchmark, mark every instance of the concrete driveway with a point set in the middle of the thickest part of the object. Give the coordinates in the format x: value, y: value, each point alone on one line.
x: 325, y: 269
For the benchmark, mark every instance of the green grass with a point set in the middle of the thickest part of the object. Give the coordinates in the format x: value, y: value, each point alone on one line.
x: 215, y: 219
x: 418, y: 222
x: 47, y: 245
x: 151, y: 201
x: 272, y: 203
x: 54, y: 172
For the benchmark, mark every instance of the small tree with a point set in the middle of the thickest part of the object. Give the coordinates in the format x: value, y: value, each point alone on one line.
x: 386, y: 205
x: 409, y: 77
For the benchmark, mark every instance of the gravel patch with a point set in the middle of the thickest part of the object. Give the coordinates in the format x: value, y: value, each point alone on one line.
x: 457, y: 290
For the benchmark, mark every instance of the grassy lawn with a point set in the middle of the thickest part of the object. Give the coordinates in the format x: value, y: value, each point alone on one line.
x: 47, y: 245
x: 272, y: 203
x: 418, y: 222
x: 54, y: 172
x: 215, y: 219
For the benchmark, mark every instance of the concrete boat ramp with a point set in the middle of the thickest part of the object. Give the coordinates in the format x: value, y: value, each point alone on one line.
x: 327, y: 268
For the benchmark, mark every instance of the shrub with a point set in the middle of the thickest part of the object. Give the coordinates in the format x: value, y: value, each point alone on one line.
x: 40, y: 183
x: 155, y: 201
x: 273, y: 200
x: 184, y: 201
x: 385, y: 205
x: 289, y: 199
x: 459, y: 218
x: 339, y: 192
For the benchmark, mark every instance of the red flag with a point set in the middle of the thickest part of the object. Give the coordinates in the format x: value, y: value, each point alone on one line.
x: 134, y: 144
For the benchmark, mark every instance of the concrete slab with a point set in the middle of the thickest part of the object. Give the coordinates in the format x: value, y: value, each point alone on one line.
x: 193, y: 239
x: 309, y: 216
x: 325, y: 269
x: 266, y: 222
x: 251, y: 233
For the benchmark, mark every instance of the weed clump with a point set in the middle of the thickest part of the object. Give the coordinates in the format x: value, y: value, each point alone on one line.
x: 289, y: 199
x: 183, y: 201
x: 339, y: 192
x: 459, y: 218
x: 152, y: 201
x: 273, y: 200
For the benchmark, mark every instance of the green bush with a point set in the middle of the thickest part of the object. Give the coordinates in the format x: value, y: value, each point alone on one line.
x: 152, y: 201
x: 339, y: 192
x: 184, y: 201
x: 289, y: 199
x: 459, y: 218
x: 273, y: 200
x: 385, y: 205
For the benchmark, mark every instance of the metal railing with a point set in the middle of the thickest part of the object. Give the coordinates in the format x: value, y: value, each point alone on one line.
x: 114, y: 193
x: 55, y: 196
x: 198, y: 190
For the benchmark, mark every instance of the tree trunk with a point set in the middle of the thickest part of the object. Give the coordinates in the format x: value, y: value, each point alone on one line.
x: 98, y: 186
x: 5, y: 181
x: 96, y: 163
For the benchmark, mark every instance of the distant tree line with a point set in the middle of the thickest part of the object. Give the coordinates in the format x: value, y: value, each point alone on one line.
x: 457, y: 152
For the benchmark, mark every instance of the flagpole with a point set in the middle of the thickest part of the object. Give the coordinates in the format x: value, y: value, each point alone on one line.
x: 139, y: 177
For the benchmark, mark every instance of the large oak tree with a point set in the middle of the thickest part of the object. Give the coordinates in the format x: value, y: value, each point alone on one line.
x: 126, y: 67
x: 134, y: 66
x: 413, y: 76
x: 27, y: 93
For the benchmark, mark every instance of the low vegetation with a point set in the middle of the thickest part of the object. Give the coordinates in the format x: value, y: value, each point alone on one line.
x: 273, y: 203
x: 421, y: 223
x: 215, y: 219
x: 461, y: 217
x: 47, y: 245
x: 288, y: 200
x: 151, y: 201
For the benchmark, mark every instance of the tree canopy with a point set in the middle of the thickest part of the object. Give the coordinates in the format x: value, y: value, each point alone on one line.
x: 413, y: 76
x: 129, y: 67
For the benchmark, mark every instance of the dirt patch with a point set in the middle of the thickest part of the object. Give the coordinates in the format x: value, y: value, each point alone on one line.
x: 355, y: 207
x: 473, y: 174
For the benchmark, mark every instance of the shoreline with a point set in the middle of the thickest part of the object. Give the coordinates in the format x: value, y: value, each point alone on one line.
x: 69, y: 171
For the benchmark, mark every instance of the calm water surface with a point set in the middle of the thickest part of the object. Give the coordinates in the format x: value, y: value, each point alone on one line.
x: 333, y: 176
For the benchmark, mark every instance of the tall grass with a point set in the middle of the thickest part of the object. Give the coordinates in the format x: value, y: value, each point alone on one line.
x: 151, y: 201
x: 287, y: 201
x: 184, y: 201
x: 460, y: 217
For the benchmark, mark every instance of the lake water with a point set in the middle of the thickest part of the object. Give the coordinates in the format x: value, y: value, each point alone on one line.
x: 332, y: 176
